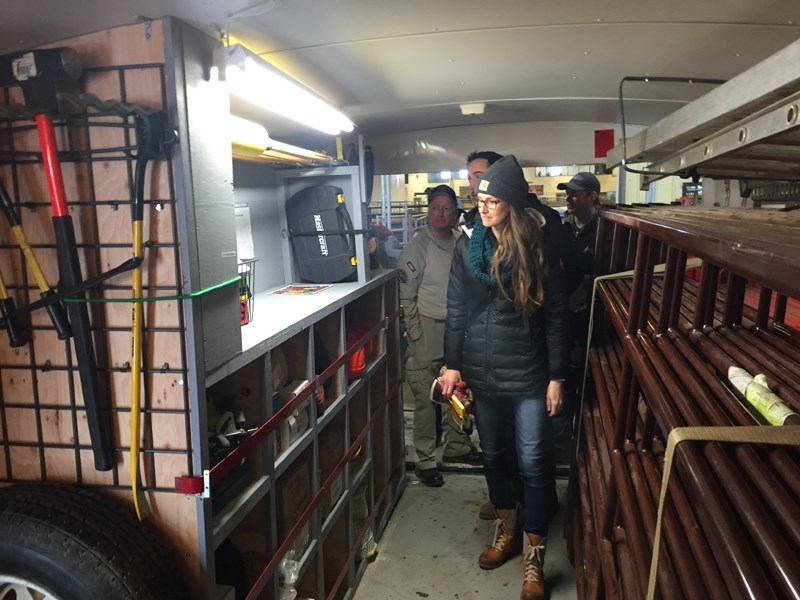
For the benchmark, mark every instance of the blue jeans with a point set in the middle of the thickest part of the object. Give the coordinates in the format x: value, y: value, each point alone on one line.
x: 533, y: 437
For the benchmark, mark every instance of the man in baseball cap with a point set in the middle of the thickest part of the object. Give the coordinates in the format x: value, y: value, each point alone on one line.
x: 424, y: 271
x: 583, y: 181
x: 580, y: 225
x: 583, y: 192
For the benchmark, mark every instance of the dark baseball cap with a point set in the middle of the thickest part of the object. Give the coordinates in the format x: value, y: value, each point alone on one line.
x: 443, y: 190
x: 583, y: 181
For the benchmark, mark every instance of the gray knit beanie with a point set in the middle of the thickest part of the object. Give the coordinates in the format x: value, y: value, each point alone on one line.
x: 504, y: 180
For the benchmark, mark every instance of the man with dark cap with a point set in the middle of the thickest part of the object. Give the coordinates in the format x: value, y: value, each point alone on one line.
x: 580, y: 225
x: 477, y: 163
x: 424, y: 270
x: 580, y: 222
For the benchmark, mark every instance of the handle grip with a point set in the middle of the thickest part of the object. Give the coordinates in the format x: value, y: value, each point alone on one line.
x: 58, y: 317
x: 98, y: 414
x: 17, y: 332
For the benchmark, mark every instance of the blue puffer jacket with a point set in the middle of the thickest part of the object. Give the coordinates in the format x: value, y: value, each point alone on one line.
x: 499, y: 351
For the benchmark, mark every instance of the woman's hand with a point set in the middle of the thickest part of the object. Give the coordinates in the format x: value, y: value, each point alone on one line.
x: 449, y: 379
x: 555, y: 397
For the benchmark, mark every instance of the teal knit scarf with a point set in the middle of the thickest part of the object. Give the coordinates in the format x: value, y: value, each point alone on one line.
x: 482, y: 246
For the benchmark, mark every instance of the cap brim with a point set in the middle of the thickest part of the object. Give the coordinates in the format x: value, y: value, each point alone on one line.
x: 574, y: 187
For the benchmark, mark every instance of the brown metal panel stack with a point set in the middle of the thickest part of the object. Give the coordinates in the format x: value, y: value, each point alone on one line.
x: 731, y: 518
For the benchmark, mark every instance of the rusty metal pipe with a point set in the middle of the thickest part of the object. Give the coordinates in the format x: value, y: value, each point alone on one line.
x: 604, y: 406
x: 734, y: 300
x: 632, y: 404
x: 677, y: 289
x: 597, y: 495
x: 706, y: 296
x: 649, y: 430
x: 632, y: 520
x: 780, y: 309
x: 630, y: 255
x: 620, y: 425
x: 764, y: 303
x: 588, y: 544
x: 670, y: 276
x: 602, y: 253
x: 627, y: 576
x: 640, y: 288
x: 778, y: 343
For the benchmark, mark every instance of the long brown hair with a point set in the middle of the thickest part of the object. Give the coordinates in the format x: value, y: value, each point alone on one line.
x: 519, y: 244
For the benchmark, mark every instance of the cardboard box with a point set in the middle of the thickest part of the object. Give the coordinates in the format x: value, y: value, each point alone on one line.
x: 293, y: 491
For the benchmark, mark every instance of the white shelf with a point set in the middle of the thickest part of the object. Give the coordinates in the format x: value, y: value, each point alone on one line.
x: 279, y: 317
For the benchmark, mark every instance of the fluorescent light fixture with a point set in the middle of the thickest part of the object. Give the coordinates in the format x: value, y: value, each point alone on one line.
x: 250, y: 141
x: 251, y: 78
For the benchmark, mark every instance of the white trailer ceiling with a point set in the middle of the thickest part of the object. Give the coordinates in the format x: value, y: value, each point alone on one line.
x: 398, y: 67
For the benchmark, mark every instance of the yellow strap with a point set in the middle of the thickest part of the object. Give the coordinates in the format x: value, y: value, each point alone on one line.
x: 788, y: 435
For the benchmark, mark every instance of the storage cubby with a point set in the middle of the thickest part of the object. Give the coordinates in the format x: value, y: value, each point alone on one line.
x: 331, y: 449
x: 294, y: 494
x: 328, y: 344
x: 358, y: 413
x: 380, y: 448
x: 335, y: 551
x: 252, y: 539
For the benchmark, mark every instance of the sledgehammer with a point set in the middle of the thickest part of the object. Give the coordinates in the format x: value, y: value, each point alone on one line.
x: 37, y: 72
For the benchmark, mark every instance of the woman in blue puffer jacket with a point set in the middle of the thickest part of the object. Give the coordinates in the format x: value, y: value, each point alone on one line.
x: 506, y: 337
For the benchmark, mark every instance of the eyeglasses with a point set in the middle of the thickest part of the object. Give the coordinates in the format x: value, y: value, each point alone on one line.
x: 490, y: 204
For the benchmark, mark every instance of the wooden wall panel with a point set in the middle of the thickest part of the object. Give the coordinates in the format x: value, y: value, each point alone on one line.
x: 52, y: 442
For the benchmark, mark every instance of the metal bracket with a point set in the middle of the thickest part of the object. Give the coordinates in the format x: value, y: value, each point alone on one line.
x: 206, y: 485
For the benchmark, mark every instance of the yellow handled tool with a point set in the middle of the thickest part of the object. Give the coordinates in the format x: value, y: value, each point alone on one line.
x: 55, y: 310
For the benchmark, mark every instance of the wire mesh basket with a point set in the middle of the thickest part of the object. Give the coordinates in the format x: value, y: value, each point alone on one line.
x: 247, y: 279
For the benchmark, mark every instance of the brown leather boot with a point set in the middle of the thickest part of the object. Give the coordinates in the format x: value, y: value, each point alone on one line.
x: 486, y: 511
x: 533, y: 569
x: 506, y: 541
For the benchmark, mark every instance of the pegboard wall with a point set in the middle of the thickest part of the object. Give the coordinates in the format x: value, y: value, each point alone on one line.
x: 44, y: 434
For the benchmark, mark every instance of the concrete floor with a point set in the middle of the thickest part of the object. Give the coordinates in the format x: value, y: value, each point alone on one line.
x: 431, y: 545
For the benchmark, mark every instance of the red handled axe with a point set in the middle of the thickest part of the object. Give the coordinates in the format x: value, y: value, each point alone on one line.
x: 37, y: 73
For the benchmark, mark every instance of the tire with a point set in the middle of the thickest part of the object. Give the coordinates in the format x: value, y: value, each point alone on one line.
x: 69, y: 543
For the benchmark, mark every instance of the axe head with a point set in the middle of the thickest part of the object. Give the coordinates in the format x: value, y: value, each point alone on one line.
x: 37, y: 72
